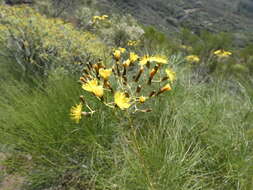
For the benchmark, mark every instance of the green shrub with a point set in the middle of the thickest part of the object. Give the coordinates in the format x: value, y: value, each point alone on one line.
x: 154, y: 39
x: 37, y: 43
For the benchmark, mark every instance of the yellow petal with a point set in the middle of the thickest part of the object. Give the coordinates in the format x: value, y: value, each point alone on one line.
x: 105, y: 73
x: 121, y: 100
x: 171, y: 74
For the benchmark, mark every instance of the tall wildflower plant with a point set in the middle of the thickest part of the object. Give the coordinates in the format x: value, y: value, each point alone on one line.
x: 127, y: 85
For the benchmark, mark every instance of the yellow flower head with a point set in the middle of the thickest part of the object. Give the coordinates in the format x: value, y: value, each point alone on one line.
x: 121, y: 100
x: 132, y: 43
x: 105, y: 73
x: 144, y: 60
x: 142, y: 99
x: 133, y: 57
x: 193, y: 59
x: 222, y: 53
x: 167, y: 87
x: 116, y: 55
x: 159, y: 59
x: 93, y: 87
x: 122, y: 50
x: 95, y: 18
x: 187, y: 48
x: 126, y: 63
x: 103, y: 17
x: 171, y: 74
x: 76, y: 113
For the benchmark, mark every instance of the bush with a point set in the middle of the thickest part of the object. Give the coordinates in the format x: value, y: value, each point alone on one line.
x: 154, y: 39
x: 116, y: 30
x: 38, y: 43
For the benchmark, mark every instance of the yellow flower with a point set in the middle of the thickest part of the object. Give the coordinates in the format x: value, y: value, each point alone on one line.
x: 142, y: 99
x: 159, y: 59
x: 121, y: 100
x: 171, y: 74
x: 126, y: 63
x: 187, y: 48
x: 193, y: 59
x: 116, y: 55
x: 122, y: 50
x: 167, y: 87
x: 92, y: 86
x: 95, y: 18
x: 133, y: 43
x: 133, y: 57
x: 105, y: 73
x: 76, y: 112
x: 222, y: 53
x: 144, y: 60
x: 103, y: 17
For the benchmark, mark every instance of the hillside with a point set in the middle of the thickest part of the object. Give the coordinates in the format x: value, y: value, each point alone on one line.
x: 170, y: 15
x: 90, y: 99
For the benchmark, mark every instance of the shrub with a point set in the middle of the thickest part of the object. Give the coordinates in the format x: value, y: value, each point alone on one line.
x: 38, y: 43
x: 116, y: 30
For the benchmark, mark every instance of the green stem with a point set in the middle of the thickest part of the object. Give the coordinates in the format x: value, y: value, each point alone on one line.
x: 138, y: 151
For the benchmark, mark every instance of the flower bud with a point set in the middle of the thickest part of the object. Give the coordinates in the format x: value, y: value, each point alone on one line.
x: 152, y: 94
x: 139, y: 74
x: 167, y: 87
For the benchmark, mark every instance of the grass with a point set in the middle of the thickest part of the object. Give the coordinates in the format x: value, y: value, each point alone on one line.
x: 199, y: 136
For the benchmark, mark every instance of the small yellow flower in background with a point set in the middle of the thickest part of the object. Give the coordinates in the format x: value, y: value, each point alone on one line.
x: 142, y: 99
x: 159, y: 59
x: 95, y: 18
x: 187, y: 48
x: 133, y: 43
x: 92, y: 86
x: 193, y: 59
x: 171, y: 74
x: 105, y: 73
x: 116, y: 55
x: 76, y: 112
x: 222, y: 53
x: 121, y: 100
x: 133, y: 57
x: 99, y: 18
x: 103, y: 17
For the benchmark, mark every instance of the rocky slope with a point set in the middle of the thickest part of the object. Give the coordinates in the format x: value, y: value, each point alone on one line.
x: 170, y: 15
